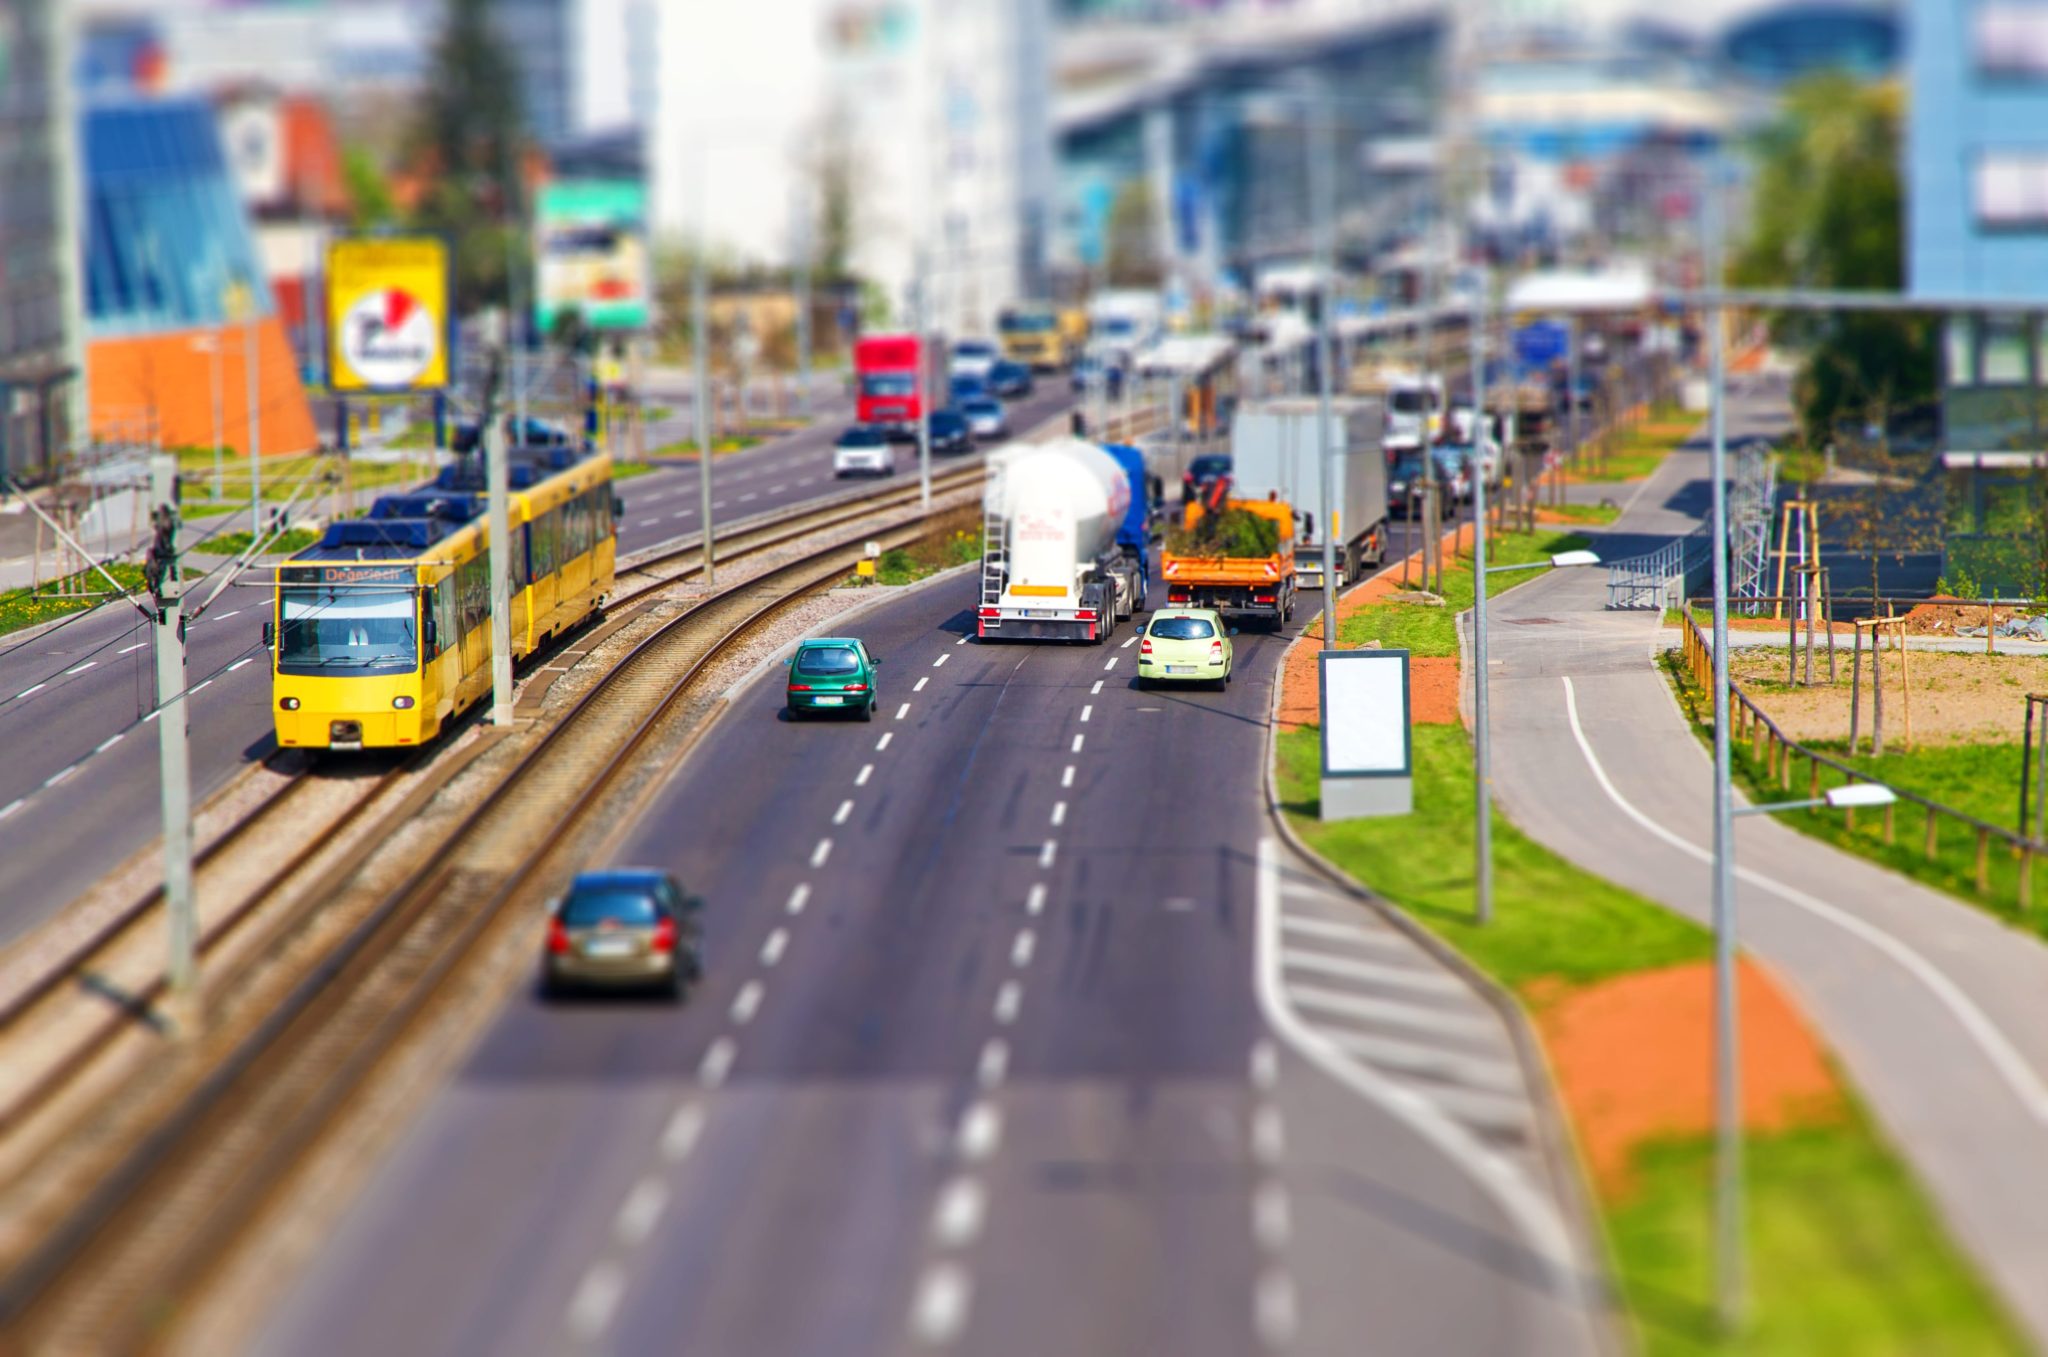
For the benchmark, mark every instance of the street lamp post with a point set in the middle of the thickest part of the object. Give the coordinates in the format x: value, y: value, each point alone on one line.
x: 1323, y: 208
x: 1482, y: 747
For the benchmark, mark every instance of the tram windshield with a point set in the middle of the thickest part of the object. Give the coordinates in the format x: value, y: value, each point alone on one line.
x: 347, y: 631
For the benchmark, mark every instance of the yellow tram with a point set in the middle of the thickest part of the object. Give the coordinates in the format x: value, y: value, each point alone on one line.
x: 380, y: 634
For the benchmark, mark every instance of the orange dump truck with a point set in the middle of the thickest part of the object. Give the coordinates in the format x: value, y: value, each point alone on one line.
x: 1237, y: 586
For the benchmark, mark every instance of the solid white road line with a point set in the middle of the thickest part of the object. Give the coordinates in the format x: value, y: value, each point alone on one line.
x: 1067, y: 776
x: 957, y: 1217
x: 139, y: 645
x: 747, y: 1002
x: 1008, y: 1000
x: 679, y: 1137
x: 643, y: 1206
x: 1034, y: 900
x: 1059, y: 813
x: 821, y: 852
x: 717, y: 1063
x: 772, y: 949
x: 883, y: 743
x: 1265, y: 1064
x: 844, y: 813
x: 799, y: 897
x: 860, y: 779
x: 994, y: 1063
x: 981, y: 1130
x: 1047, y: 851
x: 2013, y: 1069
x: 1020, y: 950
x: 81, y: 668
x: 1270, y: 1221
x: 1087, y: 710
x: 597, y: 1297
x: 918, y: 686
x: 903, y: 711
x: 940, y: 1311
x: 1078, y: 741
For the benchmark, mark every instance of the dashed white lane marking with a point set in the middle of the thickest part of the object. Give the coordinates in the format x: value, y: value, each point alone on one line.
x: 860, y: 779
x: 750, y: 496
x: 1265, y: 1065
x: 903, y: 711
x: 772, y: 949
x: 1034, y: 900
x: 883, y: 743
x: 1273, y: 1310
x: 1129, y: 641
x: 30, y: 692
x: 246, y: 659
x: 918, y: 686
x: 1021, y: 949
x: 60, y: 775
x: 1067, y: 776
x: 821, y: 852
x: 1097, y: 688
x: 778, y: 489
x: 1078, y: 741
x: 139, y: 645
x: 957, y: 1217
x: 1985, y: 1034
x: 1270, y: 1220
x: 197, y: 688
x: 1059, y: 813
x: 807, y: 480
x: 1112, y: 663
x: 747, y: 1002
x: 994, y: 1062
x: 1087, y: 710
x: 716, y: 505
x: 961, y: 642
x: 222, y: 617
x: 799, y: 897
x: 940, y: 661
x: 104, y: 745
x: 597, y: 1297
x: 684, y: 514
x: 1269, y: 1135
x: 643, y: 1206
x: 679, y: 1137
x: 12, y: 806
x: 648, y: 522
x: 981, y: 1130
x: 153, y: 715
x: 940, y: 1310
x: 717, y: 1063
x: 1008, y: 1000
x: 1047, y: 851
x: 844, y: 813
x: 81, y: 668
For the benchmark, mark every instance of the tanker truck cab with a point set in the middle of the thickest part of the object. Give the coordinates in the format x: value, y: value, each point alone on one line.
x: 1064, y: 541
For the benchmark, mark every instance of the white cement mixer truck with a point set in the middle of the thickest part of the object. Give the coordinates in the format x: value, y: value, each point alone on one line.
x: 1064, y: 541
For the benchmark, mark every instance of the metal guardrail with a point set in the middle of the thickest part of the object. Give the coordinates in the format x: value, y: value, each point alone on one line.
x: 1662, y: 578
x: 1772, y: 752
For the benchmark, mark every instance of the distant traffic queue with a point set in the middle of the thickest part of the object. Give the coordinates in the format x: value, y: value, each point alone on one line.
x: 380, y: 633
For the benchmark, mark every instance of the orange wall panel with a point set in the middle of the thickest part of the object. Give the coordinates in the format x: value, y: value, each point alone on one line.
x: 165, y: 382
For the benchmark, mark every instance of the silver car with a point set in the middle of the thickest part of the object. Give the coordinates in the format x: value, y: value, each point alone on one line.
x: 626, y: 928
x: 986, y: 417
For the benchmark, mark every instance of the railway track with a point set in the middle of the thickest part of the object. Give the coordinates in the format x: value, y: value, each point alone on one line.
x: 102, y: 1277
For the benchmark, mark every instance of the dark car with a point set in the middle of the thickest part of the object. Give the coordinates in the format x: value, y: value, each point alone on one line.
x: 534, y: 433
x: 1202, y: 473
x: 1011, y: 381
x: 624, y: 928
x: 950, y: 432
x: 969, y: 386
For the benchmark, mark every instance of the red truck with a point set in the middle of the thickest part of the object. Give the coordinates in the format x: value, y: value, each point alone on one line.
x: 898, y: 379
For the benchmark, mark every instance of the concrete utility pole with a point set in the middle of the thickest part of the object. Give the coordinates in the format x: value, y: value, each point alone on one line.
x: 1323, y: 207
x: 1482, y: 750
x: 700, y: 359
x: 181, y: 969
x: 924, y: 387
x: 1728, y: 1211
x: 497, y: 488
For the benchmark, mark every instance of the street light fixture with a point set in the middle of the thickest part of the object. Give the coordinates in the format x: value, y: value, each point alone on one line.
x: 1850, y: 796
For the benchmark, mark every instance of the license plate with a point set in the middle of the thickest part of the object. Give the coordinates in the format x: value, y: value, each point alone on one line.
x: 1180, y: 669
x: 1041, y: 612
x: 608, y: 947
x: 825, y: 701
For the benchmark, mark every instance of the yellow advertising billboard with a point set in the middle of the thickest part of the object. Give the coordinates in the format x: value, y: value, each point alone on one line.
x: 390, y: 314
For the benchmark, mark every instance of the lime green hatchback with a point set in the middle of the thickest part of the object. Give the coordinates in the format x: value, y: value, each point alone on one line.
x: 1186, y: 645
x: 832, y: 674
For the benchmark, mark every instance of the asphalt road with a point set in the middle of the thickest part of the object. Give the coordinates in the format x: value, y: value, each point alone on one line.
x: 987, y: 1061
x: 79, y: 787
x: 1932, y: 1006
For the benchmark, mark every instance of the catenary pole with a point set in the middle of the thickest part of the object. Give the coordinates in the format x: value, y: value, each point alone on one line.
x: 181, y: 969
x: 497, y: 486
x: 1482, y: 745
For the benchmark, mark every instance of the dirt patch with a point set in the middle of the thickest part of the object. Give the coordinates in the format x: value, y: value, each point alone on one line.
x: 1956, y: 699
x: 1433, y: 689
x: 1298, y: 698
x: 1942, y: 617
x: 1634, y: 1062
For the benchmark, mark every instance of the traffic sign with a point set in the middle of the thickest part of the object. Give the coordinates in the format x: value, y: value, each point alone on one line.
x: 1542, y: 343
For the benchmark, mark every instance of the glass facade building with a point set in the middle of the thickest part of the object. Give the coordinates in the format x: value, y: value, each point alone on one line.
x: 34, y: 353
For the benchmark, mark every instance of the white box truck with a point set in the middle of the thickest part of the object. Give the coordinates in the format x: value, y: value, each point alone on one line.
x: 1273, y: 456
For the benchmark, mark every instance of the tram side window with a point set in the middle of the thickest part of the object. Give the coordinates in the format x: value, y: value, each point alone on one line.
x: 578, y: 510
x: 473, y: 584
x: 546, y: 532
x: 520, y: 578
x: 446, y: 616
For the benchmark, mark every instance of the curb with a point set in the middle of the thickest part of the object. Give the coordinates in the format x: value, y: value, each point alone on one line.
x: 1557, y: 1147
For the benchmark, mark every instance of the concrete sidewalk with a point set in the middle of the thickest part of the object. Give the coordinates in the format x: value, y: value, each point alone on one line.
x: 1935, y: 1008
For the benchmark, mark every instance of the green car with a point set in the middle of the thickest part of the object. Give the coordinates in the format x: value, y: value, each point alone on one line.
x: 1186, y: 645
x: 832, y: 674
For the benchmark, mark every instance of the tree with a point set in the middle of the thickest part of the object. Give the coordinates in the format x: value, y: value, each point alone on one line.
x: 370, y: 203
x: 467, y: 139
x: 1829, y: 207
x: 832, y: 174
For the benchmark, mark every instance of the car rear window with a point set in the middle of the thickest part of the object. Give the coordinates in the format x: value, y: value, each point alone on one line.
x: 861, y: 436
x: 1181, y: 628
x: 827, y: 660
x: 619, y: 904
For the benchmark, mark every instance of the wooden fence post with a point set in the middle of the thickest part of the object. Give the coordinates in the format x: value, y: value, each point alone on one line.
x: 1983, y: 860
x: 1932, y: 820
x: 2026, y: 877
x: 1889, y: 806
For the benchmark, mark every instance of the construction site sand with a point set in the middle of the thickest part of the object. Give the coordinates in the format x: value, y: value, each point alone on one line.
x: 1432, y: 680
x: 1956, y: 699
x: 1633, y: 1058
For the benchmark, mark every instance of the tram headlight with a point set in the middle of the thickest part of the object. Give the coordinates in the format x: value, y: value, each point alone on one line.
x: 402, y: 703
x: 288, y: 703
